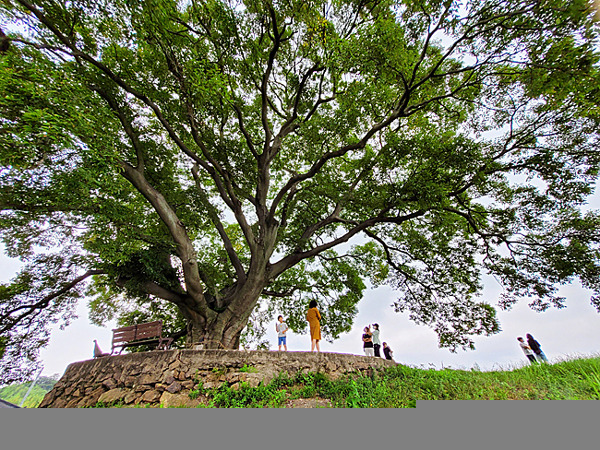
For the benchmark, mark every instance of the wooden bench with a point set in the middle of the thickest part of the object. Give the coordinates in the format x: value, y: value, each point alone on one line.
x: 141, y: 334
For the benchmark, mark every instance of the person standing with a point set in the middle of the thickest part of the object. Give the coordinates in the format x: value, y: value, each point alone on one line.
x: 367, y: 338
x: 314, y: 316
x: 376, y: 341
x: 387, y: 351
x: 527, y: 350
x: 281, y: 328
x: 536, y: 347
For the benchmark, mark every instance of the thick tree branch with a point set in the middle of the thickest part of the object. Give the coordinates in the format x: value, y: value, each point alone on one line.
x: 211, y: 165
x: 126, y: 123
x: 289, y: 125
x: 316, y: 167
x: 233, y: 256
x: 427, y: 41
x: 185, y: 249
x: 293, y: 259
x: 276, y: 294
x: 244, y: 131
x: 13, y: 206
x: 264, y: 116
x: 152, y: 288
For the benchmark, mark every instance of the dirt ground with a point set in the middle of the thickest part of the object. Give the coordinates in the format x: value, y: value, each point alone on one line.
x: 308, y: 403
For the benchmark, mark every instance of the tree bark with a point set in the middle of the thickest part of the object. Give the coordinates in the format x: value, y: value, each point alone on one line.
x: 223, y: 327
x: 223, y: 332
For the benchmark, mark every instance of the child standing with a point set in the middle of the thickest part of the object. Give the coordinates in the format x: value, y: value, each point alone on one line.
x: 281, y: 327
x: 387, y: 351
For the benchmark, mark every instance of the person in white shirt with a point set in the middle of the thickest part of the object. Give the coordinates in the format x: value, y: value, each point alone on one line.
x: 527, y: 350
x: 281, y: 328
x: 376, y: 341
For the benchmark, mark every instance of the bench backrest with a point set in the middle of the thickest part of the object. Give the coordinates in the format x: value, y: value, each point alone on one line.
x: 137, y: 332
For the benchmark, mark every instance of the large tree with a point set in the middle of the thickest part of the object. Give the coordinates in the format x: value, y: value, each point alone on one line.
x: 206, y: 161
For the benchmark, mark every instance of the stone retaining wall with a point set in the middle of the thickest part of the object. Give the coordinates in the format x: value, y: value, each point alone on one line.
x: 166, y: 377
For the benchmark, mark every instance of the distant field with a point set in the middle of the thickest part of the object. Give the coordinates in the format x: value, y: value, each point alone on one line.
x: 15, y: 392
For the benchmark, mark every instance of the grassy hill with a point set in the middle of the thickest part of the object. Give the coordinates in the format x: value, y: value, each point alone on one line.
x: 14, y: 393
x: 397, y: 387
x: 402, y: 386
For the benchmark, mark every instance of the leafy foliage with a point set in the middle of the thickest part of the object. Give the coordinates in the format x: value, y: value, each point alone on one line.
x: 210, y: 163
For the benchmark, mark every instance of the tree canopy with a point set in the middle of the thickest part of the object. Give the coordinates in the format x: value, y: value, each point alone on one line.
x: 212, y: 162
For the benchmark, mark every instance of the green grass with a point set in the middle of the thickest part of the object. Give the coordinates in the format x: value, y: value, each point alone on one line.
x: 15, y: 393
x: 248, y: 369
x: 403, y: 386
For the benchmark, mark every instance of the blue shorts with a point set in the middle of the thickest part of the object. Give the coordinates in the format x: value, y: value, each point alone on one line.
x: 281, y: 340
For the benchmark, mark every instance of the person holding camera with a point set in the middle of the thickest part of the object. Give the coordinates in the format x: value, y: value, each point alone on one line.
x: 376, y: 341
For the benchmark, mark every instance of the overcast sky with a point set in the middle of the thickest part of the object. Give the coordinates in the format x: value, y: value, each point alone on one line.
x: 566, y: 333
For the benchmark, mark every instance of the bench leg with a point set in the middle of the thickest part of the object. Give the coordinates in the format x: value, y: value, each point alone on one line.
x: 165, y: 343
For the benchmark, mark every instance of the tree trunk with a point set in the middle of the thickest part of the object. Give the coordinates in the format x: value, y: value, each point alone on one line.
x: 221, y: 328
x: 219, y: 334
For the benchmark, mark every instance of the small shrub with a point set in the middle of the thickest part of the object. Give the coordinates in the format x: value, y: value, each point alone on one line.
x: 194, y: 394
x: 247, y: 397
x: 115, y: 404
x: 219, y: 370
x: 248, y: 369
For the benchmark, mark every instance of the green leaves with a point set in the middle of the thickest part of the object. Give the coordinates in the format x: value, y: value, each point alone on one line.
x: 251, y: 157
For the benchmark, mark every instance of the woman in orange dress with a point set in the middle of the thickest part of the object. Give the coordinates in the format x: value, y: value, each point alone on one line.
x: 314, y: 316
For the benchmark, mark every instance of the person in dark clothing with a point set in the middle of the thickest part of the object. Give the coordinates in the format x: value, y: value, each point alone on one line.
x: 367, y: 338
x: 387, y: 351
x: 536, y: 347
